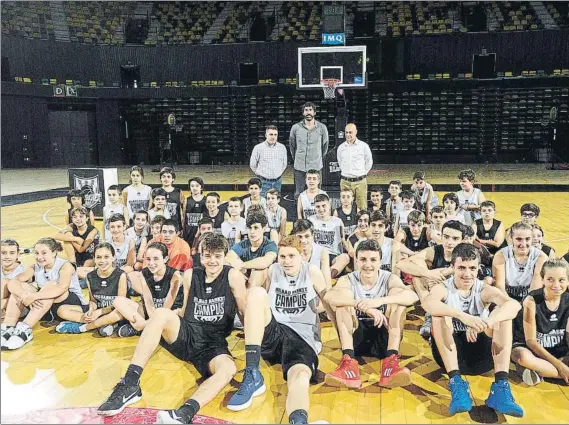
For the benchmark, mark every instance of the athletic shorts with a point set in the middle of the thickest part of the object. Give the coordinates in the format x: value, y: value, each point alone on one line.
x: 331, y: 258
x: 370, y: 340
x: 197, y: 345
x: 474, y: 358
x: 81, y: 257
x: 72, y: 299
x: 558, y: 352
x: 283, y: 345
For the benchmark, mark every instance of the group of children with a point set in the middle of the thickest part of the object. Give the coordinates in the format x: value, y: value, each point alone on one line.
x: 491, y: 294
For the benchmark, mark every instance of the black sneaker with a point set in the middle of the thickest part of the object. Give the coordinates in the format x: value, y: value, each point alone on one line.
x: 122, y: 396
x: 127, y: 330
x: 172, y: 417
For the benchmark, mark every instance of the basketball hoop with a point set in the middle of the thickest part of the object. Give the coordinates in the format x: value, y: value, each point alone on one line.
x: 329, y: 87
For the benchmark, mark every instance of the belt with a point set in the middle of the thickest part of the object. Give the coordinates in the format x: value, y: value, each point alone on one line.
x: 353, y: 179
x: 270, y: 180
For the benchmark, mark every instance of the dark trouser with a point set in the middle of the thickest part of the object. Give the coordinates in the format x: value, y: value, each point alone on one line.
x: 267, y: 184
x: 300, y: 182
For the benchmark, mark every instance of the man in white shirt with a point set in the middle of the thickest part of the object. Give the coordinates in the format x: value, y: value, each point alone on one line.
x: 355, y: 161
x: 269, y: 161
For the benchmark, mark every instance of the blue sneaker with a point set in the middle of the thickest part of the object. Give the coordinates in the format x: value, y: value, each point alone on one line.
x: 68, y: 328
x: 460, y: 398
x: 502, y: 400
x: 83, y: 283
x: 252, y: 386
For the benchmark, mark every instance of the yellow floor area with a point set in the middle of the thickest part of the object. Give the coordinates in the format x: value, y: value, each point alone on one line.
x: 56, y: 371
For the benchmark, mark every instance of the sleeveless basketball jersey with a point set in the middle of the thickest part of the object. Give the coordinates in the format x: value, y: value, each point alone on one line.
x: 247, y: 203
x: 153, y: 213
x: 349, y: 220
x: 316, y: 256
x: 307, y: 205
x: 386, y: 250
x: 104, y: 289
x: 211, y: 304
x: 469, y: 216
x: 328, y: 234
x: 174, y: 205
x: 230, y: 230
x: 354, y: 240
x: 403, y: 219
x: 566, y: 257
x: 81, y: 257
x: 121, y: 252
x: 194, y: 213
x: 294, y: 303
x: 378, y: 290
x: 19, y: 269
x: 416, y: 244
x: 275, y: 218
x: 551, y: 325
x: 42, y: 276
x: 471, y: 304
x: 396, y: 209
x: 439, y: 261
x: 546, y: 249
x: 217, y: 221
x: 435, y: 232
x: 88, y: 213
x: 108, y: 211
x: 131, y: 234
x: 137, y: 199
x: 489, y: 234
x: 159, y: 289
x: 424, y: 195
x: 519, y: 276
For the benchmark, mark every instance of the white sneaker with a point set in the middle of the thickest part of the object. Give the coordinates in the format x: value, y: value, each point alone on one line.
x: 107, y: 330
x: 165, y: 417
x: 531, y: 377
x: 7, y: 333
x: 237, y: 323
x: 22, y: 335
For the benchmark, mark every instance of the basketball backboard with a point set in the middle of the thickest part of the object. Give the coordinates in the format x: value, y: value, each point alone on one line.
x: 346, y: 63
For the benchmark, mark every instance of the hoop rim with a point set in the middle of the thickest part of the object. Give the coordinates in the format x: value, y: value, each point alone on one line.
x: 330, y: 82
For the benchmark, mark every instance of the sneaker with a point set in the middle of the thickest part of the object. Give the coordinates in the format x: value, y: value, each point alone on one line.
x: 237, y: 323
x: 346, y: 375
x: 132, y: 293
x: 531, y: 377
x: 460, y: 400
x: 502, y: 401
x: 425, y: 330
x: 171, y: 417
x: 393, y: 375
x: 323, y: 317
x: 253, y: 385
x: 21, y: 336
x: 123, y: 395
x: 7, y: 332
x: 107, y: 330
x: 68, y: 328
x: 127, y: 330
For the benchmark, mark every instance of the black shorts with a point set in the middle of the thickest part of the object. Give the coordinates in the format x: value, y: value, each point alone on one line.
x: 283, y: 345
x: 197, y: 345
x: 558, y: 352
x: 72, y: 299
x: 331, y: 258
x: 81, y: 257
x: 370, y: 340
x: 474, y: 358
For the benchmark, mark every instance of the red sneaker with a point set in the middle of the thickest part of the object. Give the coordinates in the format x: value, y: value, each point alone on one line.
x: 346, y: 375
x: 393, y: 375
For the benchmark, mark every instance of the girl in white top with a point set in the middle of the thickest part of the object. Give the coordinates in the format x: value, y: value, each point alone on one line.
x: 469, y: 197
x: 55, y: 284
x: 137, y: 196
x: 11, y: 267
x: 113, y: 207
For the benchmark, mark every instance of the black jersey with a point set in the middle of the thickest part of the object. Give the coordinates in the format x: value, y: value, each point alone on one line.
x: 194, y: 212
x: 174, y: 205
x: 551, y: 325
x: 81, y: 257
x: 104, y: 289
x: 566, y: 257
x: 159, y: 289
x: 217, y: 220
x: 349, y: 220
x: 416, y: 244
x: 354, y: 239
x: 489, y: 234
x: 211, y: 305
x: 546, y: 249
x: 88, y: 215
x: 439, y: 261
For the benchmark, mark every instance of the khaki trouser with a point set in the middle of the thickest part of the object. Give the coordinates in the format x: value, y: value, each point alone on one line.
x: 360, y: 191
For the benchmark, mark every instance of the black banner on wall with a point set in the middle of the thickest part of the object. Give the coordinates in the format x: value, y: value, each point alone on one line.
x: 91, y: 182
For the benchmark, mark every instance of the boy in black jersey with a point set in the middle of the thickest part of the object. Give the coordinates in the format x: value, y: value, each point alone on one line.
x: 542, y: 349
x: 194, y: 209
x: 175, y: 200
x: 212, y: 200
x: 489, y: 231
x: 347, y: 211
x: 213, y: 295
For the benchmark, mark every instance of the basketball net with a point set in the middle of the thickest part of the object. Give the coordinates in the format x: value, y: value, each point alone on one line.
x: 329, y: 87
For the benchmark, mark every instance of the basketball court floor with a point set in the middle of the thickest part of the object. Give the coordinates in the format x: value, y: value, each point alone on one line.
x: 77, y: 372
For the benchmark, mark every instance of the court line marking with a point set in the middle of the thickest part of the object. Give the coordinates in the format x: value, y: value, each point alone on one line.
x: 558, y: 240
x: 46, y: 220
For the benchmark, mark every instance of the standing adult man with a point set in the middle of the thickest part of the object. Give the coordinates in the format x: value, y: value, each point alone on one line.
x: 308, y: 143
x: 355, y: 161
x: 268, y: 161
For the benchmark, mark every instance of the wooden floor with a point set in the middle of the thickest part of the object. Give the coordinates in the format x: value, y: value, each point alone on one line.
x: 56, y: 371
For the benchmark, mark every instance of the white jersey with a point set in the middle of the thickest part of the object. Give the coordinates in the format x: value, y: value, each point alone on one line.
x: 19, y: 269
x: 380, y: 289
x: 519, y: 276
x: 386, y: 251
x: 229, y: 230
x: 42, y: 276
x: 328, y: 234
x: 294, y: 303
x: 109, y: 210
x: 434, y: 232
x: 131, y: 234
x: 471, y: 304
x: 469, y: 216
x: 423, y: 197
x: 121, y: 251
x: 403, y: 219
x: 307, y: 205
x: 153, y: 213
x: 275, y: 218
x: 247, y: 203
x: 316, y: 256
x: 137, y: 199
x: 396, y: 209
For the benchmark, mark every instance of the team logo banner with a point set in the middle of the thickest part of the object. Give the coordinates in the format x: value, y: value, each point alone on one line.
x: 90, y: 182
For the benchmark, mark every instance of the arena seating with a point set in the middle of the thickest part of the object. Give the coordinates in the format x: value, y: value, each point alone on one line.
x: 559, y: 11
x: 27, y: 19
x: 516, y: 16
x: 302, y: 21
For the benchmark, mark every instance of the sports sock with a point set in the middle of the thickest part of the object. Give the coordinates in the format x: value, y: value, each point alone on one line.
x: 188, y: 410
x: 453, y: 373
x: 133, y: 374
x: 391, y: 352
x: 349, y: 353
x: 501, y: 376
x: 252, y: 356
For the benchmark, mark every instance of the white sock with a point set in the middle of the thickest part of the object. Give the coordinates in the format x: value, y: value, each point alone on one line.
x: 83, y: 327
